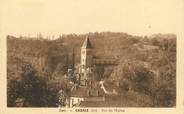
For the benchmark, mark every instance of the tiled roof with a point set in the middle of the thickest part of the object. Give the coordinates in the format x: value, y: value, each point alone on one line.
x: 125, y: 100
x: 87, y: 43
x: 110, y: 101
x: 81, y: 91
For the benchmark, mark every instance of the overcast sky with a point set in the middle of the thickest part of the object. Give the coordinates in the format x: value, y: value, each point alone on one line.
x: 138, y: 17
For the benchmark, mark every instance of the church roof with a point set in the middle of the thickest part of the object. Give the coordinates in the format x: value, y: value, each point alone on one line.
x: 87, y: 43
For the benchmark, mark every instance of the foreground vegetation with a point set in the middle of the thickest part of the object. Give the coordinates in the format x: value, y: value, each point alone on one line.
x: 147, y: 68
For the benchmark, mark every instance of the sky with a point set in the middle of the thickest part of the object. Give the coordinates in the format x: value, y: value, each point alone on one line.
x: 54, y: 17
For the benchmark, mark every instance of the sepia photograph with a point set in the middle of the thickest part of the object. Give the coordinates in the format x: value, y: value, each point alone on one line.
x: 106, y: 69
x: 91, y: 53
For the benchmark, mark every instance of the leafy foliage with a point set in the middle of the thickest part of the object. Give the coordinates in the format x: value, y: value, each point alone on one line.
x: 147, y: 67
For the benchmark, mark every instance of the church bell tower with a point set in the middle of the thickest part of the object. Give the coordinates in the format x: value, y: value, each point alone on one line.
x: 86, y: 59
x: 86, y: 55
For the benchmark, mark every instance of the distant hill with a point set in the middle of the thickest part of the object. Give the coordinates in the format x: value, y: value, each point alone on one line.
x: 147, y: 65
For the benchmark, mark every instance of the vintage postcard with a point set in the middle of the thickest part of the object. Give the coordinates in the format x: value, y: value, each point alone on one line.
x: 92, y: 56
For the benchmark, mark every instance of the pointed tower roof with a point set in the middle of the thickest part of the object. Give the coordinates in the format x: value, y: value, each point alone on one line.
x: 87, y: 43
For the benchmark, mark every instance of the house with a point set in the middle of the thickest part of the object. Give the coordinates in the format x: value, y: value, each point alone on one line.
x: 80, y: 94
x: 86, y: 89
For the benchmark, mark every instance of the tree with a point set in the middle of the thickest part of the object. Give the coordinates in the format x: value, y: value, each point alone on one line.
x: 30, y: 87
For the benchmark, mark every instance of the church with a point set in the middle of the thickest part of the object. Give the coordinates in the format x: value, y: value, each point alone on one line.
x: 86, y: 89
x: 86, y: 66
x: 89, y: 63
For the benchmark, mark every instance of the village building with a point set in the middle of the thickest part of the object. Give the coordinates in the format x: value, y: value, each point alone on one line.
x: 89, y: 62
x: 85, y: 88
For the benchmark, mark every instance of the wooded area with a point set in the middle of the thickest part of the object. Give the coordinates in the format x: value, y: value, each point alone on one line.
x: 147, y: 67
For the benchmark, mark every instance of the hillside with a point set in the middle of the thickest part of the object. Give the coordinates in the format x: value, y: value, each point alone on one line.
x: 147, y: 66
